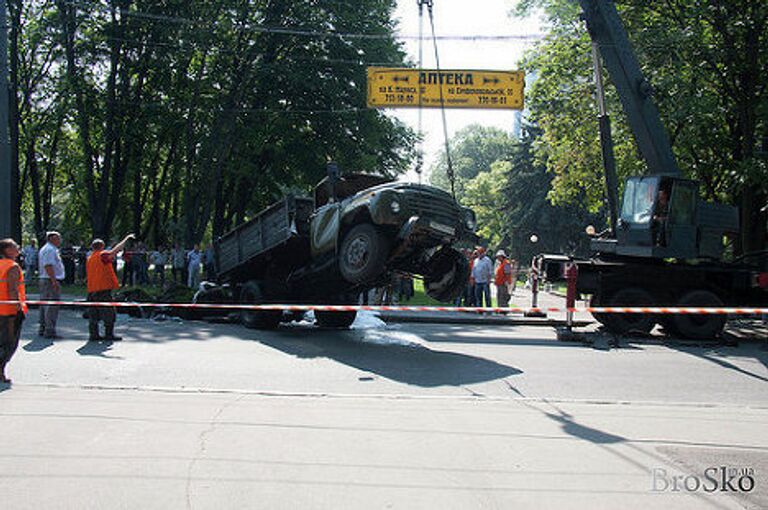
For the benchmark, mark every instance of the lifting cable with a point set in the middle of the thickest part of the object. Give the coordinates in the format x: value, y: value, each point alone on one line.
x: 420, y: 148
x: 451, y: 176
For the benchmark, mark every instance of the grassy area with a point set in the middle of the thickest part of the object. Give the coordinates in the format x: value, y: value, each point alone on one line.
x: 420, y: 297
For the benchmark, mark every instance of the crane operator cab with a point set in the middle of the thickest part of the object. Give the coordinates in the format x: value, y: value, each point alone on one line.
x: 662, y: 217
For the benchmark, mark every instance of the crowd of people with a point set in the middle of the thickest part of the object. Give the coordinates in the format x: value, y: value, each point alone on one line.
x: 483, y: 273
x: 140, y: 265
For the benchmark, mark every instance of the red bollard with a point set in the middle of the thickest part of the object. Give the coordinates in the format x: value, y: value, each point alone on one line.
x: 534, y: 293
x: 571, y: 275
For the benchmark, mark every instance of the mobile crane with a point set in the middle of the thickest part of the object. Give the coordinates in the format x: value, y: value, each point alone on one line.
x: 664, y: 246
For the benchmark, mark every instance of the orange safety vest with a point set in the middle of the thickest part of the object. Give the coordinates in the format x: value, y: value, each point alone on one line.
x: 501, y: 278
x: 5, y: 266
x: 100, y: 276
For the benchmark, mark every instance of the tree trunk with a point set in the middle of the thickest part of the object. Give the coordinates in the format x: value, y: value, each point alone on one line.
x: 14, y: 9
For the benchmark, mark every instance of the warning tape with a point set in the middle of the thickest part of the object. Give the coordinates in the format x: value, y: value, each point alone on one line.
x: 405, y: 308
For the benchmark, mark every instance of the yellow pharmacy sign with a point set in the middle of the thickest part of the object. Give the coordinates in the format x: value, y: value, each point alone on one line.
x: 391, y: 87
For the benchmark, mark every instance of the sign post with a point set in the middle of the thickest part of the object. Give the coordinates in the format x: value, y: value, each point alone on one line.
x: 392, y: 87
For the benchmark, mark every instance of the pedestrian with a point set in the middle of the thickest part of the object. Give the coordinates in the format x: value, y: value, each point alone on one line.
x: 467, y: 297
x: 503, y: 279
x: 178, y: 264
x: 127, y: 268
x: 482, y: 273
x: 515, y: 265
x: 194, y: 260
x: 469, y: 294
x: 140, y: 264
x: 50, y: 275
x: 30, y: 259
x: 210, y: 264
x: 102, y: 280
x: 11, y: 316
x: 81, y: 256
x: 157, y: 258
x: 68, y: 258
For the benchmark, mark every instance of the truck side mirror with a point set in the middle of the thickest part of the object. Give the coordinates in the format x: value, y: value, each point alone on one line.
x: 333, y: 179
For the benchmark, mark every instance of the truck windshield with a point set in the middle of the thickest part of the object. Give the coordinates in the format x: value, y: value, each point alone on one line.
x: 639, y: 195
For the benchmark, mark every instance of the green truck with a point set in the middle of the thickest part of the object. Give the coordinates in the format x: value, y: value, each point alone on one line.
x: 351, y: 236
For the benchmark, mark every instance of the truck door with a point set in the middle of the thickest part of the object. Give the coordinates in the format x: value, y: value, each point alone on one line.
x: 681, y: 227
x: 325, y: 229
x: 636, y: 222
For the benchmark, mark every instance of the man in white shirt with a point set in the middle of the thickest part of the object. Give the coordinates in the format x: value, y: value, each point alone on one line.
x: 482, y: 273
x: 51, y: 273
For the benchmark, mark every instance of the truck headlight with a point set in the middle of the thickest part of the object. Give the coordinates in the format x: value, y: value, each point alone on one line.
x: 395, y: 205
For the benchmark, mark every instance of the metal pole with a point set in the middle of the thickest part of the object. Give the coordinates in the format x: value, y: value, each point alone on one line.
x: 6, y: 196
x: 606, y: 141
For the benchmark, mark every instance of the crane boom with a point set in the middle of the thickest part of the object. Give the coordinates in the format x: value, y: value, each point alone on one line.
x: 607, y: 32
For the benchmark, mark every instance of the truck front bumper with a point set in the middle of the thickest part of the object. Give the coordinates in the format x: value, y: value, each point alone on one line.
x: 419, y: 228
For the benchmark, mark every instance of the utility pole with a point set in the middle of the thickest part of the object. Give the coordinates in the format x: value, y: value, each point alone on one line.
x: 6, y: 193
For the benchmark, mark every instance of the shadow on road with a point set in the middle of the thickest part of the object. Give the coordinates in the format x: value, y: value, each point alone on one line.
x: 392, y: 354
x: 38, y: 344
x: 98, y: 349
x: 718, y: 355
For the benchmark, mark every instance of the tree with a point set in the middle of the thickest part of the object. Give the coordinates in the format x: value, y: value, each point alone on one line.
x: 473, y: 150
x: 178, y: 119
x: 484, y: 194
x: 528, y: 211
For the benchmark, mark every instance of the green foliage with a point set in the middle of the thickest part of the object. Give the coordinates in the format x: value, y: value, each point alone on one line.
x: 473, y: 150
x: 484, y: 194
x: 510, y: 191
x: 178, y: 119
x: 528, y: 210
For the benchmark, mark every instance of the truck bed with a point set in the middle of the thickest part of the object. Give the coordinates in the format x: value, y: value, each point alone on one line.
x: 248, y: 245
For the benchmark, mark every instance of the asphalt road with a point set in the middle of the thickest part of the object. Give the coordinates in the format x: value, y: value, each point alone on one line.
x: 203, y: 415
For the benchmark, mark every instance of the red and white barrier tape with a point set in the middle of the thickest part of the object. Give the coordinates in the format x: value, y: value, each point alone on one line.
x: 398, y: 308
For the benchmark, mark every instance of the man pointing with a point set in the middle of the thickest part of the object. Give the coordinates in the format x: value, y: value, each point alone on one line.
x: 101, y: 281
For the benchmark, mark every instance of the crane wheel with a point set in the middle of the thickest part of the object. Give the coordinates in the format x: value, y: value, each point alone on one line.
x: 621, y: 323
x: 700, y: 327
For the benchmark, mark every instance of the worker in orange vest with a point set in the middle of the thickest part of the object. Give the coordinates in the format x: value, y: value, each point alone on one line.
x: 101, y: 280
x: 503, y: 278
x: 11, y: 315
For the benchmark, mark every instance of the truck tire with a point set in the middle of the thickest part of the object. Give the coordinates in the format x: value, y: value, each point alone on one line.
x: 251, y: 293
x: 363, y: 254
x: 338, y: 320
x: 447, y: 275
x: 621, y: 323
x: 700, y: 327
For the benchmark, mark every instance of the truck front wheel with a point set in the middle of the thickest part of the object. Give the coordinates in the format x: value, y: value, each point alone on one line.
x: 341, y: 320
x: 447, y: 275
x: 363, y: 254
x: 252, y: 294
